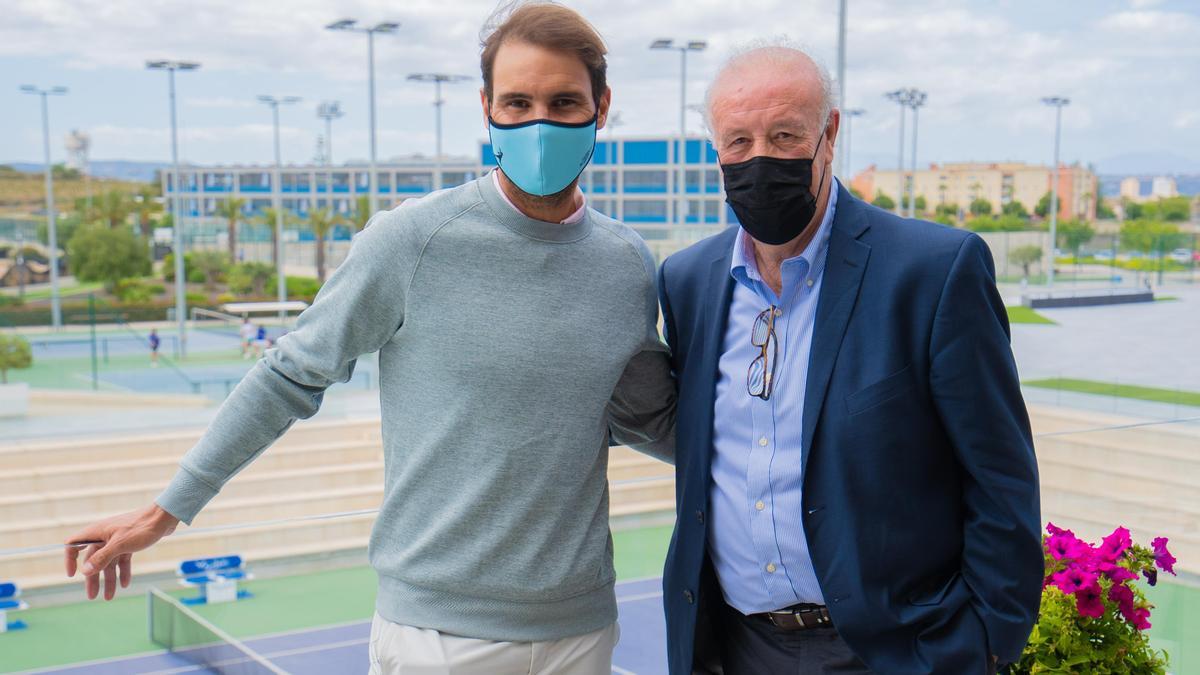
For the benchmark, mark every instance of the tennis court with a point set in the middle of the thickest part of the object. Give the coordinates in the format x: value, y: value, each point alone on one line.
x: 343, y: 647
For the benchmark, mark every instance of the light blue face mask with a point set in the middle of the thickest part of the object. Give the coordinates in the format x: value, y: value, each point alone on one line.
x: 542, y: 157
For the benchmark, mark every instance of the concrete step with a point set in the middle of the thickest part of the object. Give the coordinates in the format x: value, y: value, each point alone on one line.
x: 1166, y: 490
x: 638, y: 467
x: 83, y: 450
x: 161, y: 469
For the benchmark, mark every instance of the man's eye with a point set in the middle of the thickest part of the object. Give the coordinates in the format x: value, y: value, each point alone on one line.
x: 564, y: 102
x: 518, y: 104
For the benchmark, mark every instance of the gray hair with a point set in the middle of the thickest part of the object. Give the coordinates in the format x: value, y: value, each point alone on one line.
x: 779, y: 50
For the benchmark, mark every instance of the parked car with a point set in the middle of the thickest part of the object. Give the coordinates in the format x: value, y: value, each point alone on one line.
x: 1182, y: 256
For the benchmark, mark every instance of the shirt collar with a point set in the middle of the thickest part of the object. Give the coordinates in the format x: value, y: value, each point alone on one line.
x: 573, y: 219
x: 744, y: 268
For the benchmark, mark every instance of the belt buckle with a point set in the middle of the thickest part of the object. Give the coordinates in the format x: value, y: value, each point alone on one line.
x: 801, y: 619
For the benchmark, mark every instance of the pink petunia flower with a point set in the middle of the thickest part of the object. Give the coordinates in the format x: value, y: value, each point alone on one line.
x: 1115, y: 573
x: 1089, y: 601
x: 1115, y: 545
x: 1162, y: 557
x: 1123, y: 596
x: 1141, y: 618
x: 1073, y: 579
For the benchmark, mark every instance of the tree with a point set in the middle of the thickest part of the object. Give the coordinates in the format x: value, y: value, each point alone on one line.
x: 1171, y: 209
x: 99, y: 253
x: 883, y: 201
x: 14, y: 354
x: 1150, y: 236
x: 213, y: 264
x: 920, y: 200
x: 946, y: 209
x: 321, y: 222
x: 231, y: 210
x: 1103, y: 212
x: 250, y: 278
x: 980, y: 207
x: 1015, y: 208
x: 268, y: 218
x: 1073, y: 234
x: 113, y: 208
x: 1025, y: 256
x: 1133, y: 210
x: 1043, y: 206
x: 362, y: 213
x: 145, y: 205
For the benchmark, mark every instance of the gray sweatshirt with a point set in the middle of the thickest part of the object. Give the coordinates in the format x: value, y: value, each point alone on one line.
x: 511, y: 351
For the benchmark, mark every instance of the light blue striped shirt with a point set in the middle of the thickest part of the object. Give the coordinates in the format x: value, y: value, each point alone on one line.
x: 755, y: 532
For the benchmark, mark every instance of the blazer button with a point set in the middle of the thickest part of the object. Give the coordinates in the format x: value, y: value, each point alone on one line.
x: 700, y: 517
x: 687, y: 595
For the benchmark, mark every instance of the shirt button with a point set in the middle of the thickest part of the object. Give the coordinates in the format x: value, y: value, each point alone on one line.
x: 759, y: 505
x: 771, y: 567
x: 763, y: 441
x: 810, y: 283
x: 778, y: 312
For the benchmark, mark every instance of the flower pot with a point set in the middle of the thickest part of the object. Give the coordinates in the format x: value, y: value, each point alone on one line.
x: 14, y: 399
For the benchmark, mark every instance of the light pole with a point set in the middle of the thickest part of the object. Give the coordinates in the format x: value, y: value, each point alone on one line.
x: 841, y: 81
x: 386, y: 27
x: 680, y: 156
x: 277, y: 197
x: 51, y: 227
x: 1058, y: 102
x: 437, y: 79
x: 176, y: 203
x: 849, y: 114
x: 900, y: 96
x: 610, y: 174
x: 916, y: 99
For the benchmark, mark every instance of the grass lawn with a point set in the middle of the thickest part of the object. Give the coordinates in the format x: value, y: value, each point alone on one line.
x: 1121, y: 390
x: 65, y: 290
x: 1022, y: 314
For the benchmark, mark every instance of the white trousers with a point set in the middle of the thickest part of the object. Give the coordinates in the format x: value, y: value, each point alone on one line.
x: 396, y: 649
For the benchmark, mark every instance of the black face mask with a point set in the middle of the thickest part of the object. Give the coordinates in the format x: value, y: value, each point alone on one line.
x: 771, y: 196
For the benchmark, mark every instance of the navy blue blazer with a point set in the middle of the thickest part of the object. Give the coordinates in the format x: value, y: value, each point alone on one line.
x: 921, y: 505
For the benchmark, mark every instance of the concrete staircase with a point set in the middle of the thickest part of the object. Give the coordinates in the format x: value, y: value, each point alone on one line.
x: 52, y: 489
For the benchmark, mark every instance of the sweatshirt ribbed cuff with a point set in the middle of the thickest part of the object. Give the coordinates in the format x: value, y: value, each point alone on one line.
x: 185, y: 496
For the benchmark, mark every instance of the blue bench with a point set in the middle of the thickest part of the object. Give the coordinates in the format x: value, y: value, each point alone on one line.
x: 10, y: 601
x: 216, y: 578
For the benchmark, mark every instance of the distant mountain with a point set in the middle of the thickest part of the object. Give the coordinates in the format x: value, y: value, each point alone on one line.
x: 119, y: 169
x: 1148, y: 164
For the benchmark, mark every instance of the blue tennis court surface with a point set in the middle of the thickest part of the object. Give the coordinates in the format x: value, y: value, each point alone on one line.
x: 343, y: 649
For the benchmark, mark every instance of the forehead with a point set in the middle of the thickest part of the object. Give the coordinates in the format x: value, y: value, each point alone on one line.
x: 765, y: 94
x: 521, y: 66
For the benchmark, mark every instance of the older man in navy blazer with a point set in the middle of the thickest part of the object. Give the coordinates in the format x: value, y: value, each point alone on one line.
x: 856, y: 483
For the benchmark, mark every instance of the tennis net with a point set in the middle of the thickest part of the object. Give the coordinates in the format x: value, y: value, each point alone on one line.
x: 185, y: 633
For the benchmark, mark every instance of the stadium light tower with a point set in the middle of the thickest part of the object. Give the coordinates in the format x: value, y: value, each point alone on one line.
x: 277, y: 196
x: 329, y: 111
x: 437, y: 79
x: 1058, y: 102
x: 176, y: 203
x: 900, y: 96
x: 848, y: 115
x: 386, y: 27
x: 916, y: 99
x: 51, y: 227
x: 680, y: 156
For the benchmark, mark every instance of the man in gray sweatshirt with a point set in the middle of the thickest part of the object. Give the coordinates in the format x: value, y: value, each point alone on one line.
x: 517, y: 336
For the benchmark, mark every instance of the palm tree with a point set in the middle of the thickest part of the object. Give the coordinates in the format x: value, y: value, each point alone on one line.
x: 231, y: 210
x: 114, y: 208
x: 321, y: 222
x: 145, y: 205
x: 362, y: 213
x: 268, y: 219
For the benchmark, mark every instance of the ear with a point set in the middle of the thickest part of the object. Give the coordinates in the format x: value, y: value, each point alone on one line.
x: 831, y: 134
x: 602, y: 109
x: 483, y: 103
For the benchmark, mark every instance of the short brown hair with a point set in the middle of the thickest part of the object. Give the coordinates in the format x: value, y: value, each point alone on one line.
x: 550, y: 26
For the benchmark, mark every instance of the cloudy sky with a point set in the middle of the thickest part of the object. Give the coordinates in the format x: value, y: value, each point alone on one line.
x: 1130, y: 68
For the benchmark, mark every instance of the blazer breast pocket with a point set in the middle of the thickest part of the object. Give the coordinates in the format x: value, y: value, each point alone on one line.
x: 890, y: 387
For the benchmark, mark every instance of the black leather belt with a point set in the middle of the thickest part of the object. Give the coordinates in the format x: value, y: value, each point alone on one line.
x: 800, y: 617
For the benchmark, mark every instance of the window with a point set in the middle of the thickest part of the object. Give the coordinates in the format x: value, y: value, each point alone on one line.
x: 654, y: 210
x: 645, y: 181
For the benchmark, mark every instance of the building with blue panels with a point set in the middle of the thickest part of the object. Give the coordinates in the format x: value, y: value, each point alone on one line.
x: 632, y: 179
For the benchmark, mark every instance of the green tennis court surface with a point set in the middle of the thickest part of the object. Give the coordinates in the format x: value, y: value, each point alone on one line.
x: 95, y: 630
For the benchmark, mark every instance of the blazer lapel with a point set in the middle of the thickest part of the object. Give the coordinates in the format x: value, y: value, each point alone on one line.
x: 839, y: 292
x: 714, y: 318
